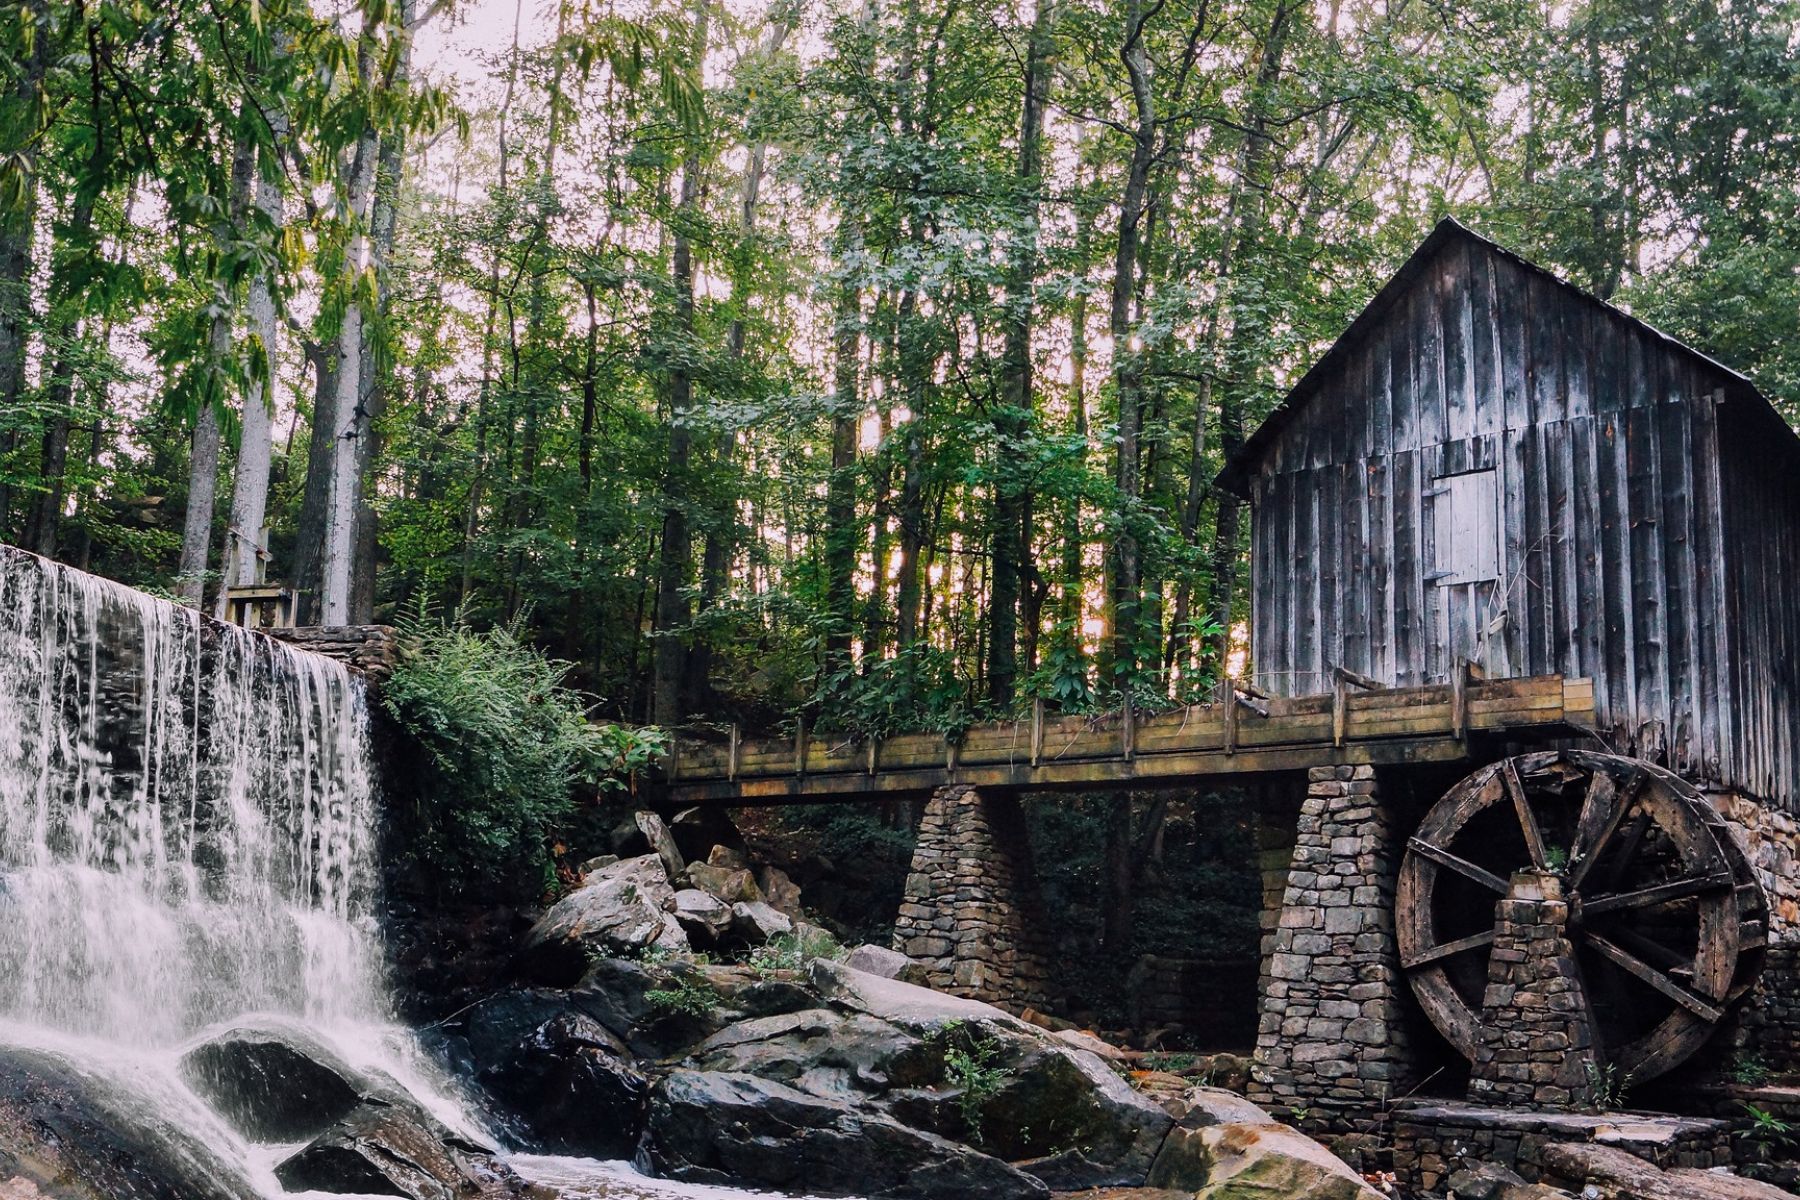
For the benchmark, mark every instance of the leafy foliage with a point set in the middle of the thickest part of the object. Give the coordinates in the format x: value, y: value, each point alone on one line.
x: 505, y: 744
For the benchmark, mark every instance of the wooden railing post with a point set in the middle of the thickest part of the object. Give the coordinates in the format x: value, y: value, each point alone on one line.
x: 731, y: 761
x: 800, y: 747
x: 1037, y: 730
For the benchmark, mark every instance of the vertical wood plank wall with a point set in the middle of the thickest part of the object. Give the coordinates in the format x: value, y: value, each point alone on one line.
x: 1643, y: 544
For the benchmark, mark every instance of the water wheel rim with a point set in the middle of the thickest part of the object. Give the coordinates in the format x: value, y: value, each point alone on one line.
x: 1673, y: 806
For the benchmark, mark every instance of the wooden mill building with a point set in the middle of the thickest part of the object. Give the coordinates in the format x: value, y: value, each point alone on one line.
x: 1492, y: 466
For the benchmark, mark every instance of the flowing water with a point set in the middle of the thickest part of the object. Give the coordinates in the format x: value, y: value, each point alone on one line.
x: 187, y: 818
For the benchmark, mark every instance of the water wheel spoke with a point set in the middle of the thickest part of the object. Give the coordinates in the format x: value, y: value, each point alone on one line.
x: 1528, y: 822
x: 1446, y: 949
x: 1461, y: 866
x: 1678, y: 965
x: 1659, y: 893
x: 1628, y: 848
x: 1604, y: 806
x: 1701, y: 1007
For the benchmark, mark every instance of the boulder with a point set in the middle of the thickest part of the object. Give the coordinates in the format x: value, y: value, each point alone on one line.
x: 703, y: 918
x: 878, y: 960
x: 379, y: 1150
x: 662, y: 842
x: 781, y: 892
x: 1203, y: 1106
x: 733, y: 885
x: 736, y: 1129
x: 831, y: 1055
x: 1623, y: 1176
x: 564, y: 1083
x: 1047, y: 1096
x: 598, y: 863
x: 271, y: 1085
x: 732, y: 858
x: 1240, y: 1161
x: 1491, y: 1181
x: 754, y: 923
x: 68, y: 1135
x: 619, y: 910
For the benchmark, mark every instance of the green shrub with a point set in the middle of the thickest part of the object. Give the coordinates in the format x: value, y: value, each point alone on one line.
x: 792, y: 951
x: 687, y: 996
x: 502, y: 745
x: 972, y: 1066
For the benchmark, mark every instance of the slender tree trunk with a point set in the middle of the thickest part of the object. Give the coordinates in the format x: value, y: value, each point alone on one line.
x: 347, y: 414
x: 676, y: 559
x: 1247, y: 342
x: 390, y: 163
x: 17, y: 229
x: 840, y: 489
x: 250, y: 486
x: 1010, y: 542
x: 44, y: 524
x: 1127, y: 360
x: 315, y: 496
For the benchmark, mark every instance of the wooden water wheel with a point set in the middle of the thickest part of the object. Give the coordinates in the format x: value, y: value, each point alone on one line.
x: 1666, y: 918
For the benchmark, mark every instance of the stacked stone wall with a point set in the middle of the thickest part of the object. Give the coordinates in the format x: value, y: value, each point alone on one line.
x: 971, y: 916
x: 1433, y: 1142
x: 1537, y: 1047
x: 1332, y: 1032
x: 370, y: 649
x: 1768, y: 1027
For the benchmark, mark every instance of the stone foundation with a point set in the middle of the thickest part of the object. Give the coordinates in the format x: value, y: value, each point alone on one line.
x: 1768, y: 1026
x: 1537, y: 1047
x: 370, y: 649
x: 971, y: 916
x: 1331, y: 1036
x: 1434, y: 1141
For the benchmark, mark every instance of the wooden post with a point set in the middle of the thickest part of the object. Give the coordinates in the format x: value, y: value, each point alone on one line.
x: 731, y: 761
x: 800, y: 746
x: 673, y: 770
x: 1340, y: 711
x: 1037, y: 730
x: 1127, y: 731
x: 1231, y: 720
x: 874, y: 753
x: 1459, y: 701
x: 950, y: 749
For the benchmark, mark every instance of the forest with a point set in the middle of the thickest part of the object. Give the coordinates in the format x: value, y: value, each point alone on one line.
x: 868, y: 362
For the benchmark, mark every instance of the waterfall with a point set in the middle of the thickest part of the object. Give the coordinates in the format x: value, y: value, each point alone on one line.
x: 187, y: 842
x: 186, y: 819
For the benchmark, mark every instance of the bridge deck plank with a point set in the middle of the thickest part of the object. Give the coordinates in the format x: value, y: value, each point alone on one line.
x: 1391, y: 727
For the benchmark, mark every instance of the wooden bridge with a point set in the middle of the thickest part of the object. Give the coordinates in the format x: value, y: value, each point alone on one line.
x: 1355, y: 723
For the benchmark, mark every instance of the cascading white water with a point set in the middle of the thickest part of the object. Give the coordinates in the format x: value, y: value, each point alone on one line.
x: 187, y: 828
x: 185, y: 819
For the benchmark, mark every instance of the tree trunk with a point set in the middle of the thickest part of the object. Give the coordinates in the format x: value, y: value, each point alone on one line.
x: 676, y: 558
x: 17, y: 228
x: 1228, y: 529
x: 1009, y: 542
x: 347, y: 414
x: 315, y: 497
x: 840, y: 491
x: 250, y: 486
x: 1127, y: 363
x: 44, y: 524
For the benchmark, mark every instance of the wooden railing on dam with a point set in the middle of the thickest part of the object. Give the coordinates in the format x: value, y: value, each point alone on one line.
x: 1249, y: 736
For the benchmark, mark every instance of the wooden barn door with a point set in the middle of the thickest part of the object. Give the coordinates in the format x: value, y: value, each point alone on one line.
x: 1464, y: 620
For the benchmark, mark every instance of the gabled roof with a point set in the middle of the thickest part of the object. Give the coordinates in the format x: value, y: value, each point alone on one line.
x: 1236, y: 474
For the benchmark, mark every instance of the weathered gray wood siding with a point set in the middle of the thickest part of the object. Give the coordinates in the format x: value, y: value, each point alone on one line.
x: 1762, y: 538
x: 1605, y: 440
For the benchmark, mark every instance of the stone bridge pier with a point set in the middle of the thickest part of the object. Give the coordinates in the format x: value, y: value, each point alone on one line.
x: 1333, y: 1035
x: 972, y: 917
